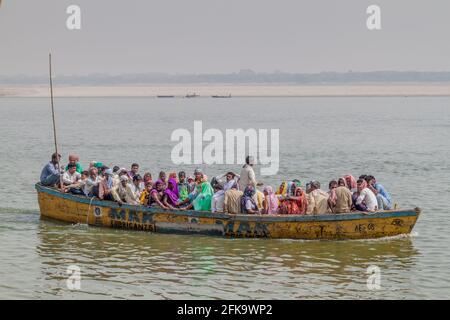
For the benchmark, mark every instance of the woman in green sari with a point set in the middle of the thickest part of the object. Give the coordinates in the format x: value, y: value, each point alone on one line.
x: 200, y: 199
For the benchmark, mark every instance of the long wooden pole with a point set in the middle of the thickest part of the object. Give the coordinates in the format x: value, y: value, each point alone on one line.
x: 53, y: 117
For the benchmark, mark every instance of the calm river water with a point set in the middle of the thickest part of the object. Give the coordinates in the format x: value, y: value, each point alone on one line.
x: 403, y: 141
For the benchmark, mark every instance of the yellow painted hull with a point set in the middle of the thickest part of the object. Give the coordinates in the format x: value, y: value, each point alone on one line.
x: 77, y: 209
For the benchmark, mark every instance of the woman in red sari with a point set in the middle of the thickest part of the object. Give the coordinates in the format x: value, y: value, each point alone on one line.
x: 295, y: 204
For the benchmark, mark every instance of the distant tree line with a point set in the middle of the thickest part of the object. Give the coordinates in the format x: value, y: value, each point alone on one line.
x: 242, y: 77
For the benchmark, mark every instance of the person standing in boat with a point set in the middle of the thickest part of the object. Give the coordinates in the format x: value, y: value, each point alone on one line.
x: 247, y: 176
x: 51, y: 173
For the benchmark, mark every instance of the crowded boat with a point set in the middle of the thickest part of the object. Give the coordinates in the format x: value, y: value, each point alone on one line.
x: 230, y: 192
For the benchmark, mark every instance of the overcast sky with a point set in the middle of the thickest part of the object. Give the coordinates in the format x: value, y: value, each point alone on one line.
x: 221, y: 36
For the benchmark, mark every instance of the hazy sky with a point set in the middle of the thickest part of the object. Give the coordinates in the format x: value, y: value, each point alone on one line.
x: 217, y: 36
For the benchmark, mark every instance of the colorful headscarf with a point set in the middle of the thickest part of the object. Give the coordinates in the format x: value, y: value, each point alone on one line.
x: 302, y: 203
x: 249, y: 192
x: 282, y: 189
x: 272, y: 200
x: 172, y: 191
x: 353, y: 184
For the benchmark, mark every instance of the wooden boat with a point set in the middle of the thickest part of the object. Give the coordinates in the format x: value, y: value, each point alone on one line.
x: 219, y: 96
x: 192, y: 95
x: 356, y: 225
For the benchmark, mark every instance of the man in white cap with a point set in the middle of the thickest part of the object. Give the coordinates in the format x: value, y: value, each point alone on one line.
x: 119, y: 191
x: 247, y: 176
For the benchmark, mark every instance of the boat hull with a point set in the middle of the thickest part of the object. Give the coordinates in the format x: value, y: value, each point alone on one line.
x: 77, y: 209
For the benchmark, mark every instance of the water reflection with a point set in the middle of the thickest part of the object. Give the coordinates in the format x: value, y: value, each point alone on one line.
x: 119, y: 264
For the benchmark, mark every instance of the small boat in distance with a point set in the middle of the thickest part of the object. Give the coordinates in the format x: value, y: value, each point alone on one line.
x: 219, y: 96
x: 353, y: 225
x: 165, y: 96
x: 192, y: 95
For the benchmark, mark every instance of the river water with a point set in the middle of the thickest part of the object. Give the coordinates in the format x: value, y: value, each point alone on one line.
x: 403, y: 141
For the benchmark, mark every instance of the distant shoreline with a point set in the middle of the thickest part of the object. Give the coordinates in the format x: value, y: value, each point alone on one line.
x: 236, y: 90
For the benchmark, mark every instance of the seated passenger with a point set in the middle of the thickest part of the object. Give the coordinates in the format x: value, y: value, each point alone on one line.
x: 157, y: 195
x: 74, y: 159
x: 270, y: 202
x: 343, y: 200
x: 50, y: 175
x: 282, y: 189
x: 91, y: 186
x: 366, y: 197
x: 170, y: 198
x: 295, y: 203
x: 163, y: 178
x: 317, y: 199
x: 218, y: 198
x: 332, y: 194
x: 106, y: 185
x: 183, y: 186
x: 145, y: 179
x: 384, y: 199
x: 145, y: 195
x: 232, y: 200
x: 248, y: 203
x: 134, y: 170
x: 119, y: 191
x: 351, y: 182
x: 133, y: 192
x: 191, y: 183
x: 78, y: 187
x: 71, y: 176
x: 219, y: 194
x: 200, y: 200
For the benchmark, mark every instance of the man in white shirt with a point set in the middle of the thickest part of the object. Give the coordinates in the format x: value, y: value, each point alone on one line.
x: 133, y: 192
x: 247, y: 176
x: 71, y: 176
x: 91, y: 186
x: 366, y: 196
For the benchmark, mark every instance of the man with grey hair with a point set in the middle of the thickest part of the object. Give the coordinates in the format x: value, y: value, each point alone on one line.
x: 247, y: 176
x: 317, y: 198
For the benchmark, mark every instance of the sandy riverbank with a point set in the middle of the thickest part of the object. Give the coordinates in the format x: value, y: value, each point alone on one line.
x: 235, y: 90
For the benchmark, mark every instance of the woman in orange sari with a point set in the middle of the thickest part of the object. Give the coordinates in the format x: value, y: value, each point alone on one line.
x: 295, y: 204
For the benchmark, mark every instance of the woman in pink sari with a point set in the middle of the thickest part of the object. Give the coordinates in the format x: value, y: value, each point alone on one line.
x: 270, y: 202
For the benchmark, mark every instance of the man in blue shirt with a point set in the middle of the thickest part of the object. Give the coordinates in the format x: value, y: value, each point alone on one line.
x: 50, y: 175
x: 383, y: 197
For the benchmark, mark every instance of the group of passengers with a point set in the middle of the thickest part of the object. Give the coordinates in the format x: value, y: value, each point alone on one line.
x: 229, y: 192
